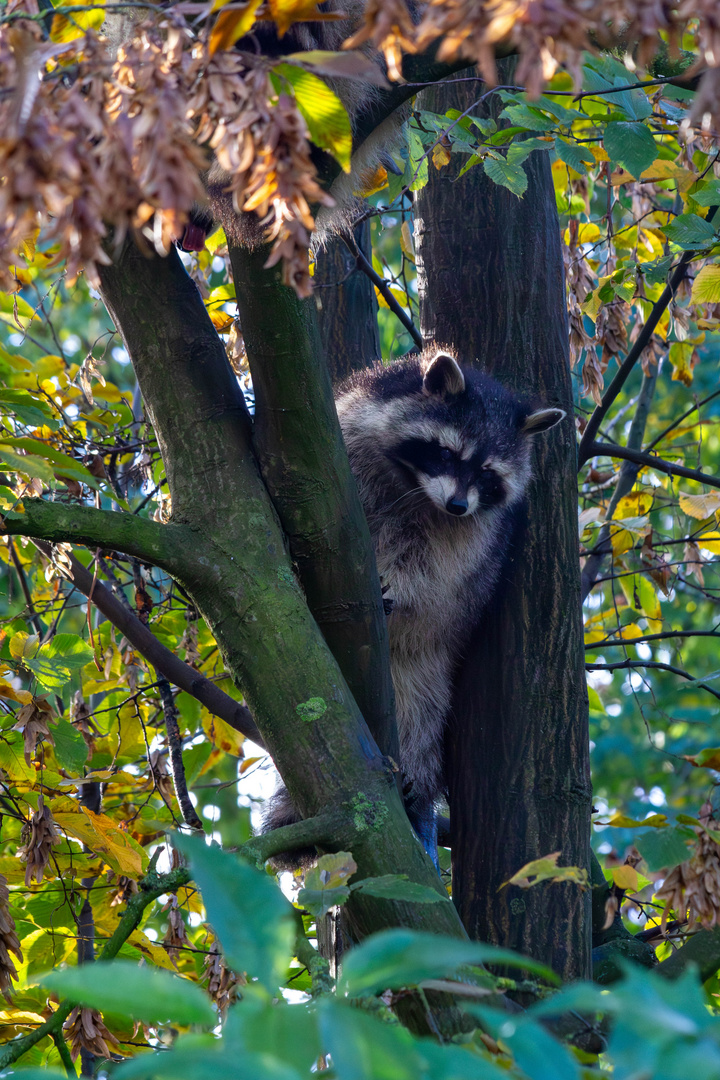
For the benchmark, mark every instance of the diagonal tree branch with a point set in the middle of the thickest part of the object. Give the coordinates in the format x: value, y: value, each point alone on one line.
x: 382, y: 286
x: 639, y: 457
x: 163, y: 659
x: 587, y: 441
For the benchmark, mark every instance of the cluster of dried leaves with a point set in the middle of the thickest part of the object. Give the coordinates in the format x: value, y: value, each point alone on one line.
x: 545, y: 33
x: 39, y: 838
x: 84, y: 1030
x: 222, y: 981
x: 92, y: 146
x: 694, y: 885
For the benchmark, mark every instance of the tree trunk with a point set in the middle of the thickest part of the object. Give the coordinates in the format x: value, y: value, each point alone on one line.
x: 347, y: 307
x: 490, y: 281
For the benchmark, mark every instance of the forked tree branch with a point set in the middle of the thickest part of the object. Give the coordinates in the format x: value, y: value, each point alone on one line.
x: 587, y: 442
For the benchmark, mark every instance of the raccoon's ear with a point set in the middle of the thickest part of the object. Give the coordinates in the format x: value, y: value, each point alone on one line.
x: 542, y: 420
x: 443, y: 377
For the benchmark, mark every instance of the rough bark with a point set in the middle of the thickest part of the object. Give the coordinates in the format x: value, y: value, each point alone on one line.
x: 490, y: 281
x: 305, y: 467
x: 235, y: 568
x: 347, y: 307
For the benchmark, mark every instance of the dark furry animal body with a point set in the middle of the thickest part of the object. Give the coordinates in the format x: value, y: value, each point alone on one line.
x: 441, y: 456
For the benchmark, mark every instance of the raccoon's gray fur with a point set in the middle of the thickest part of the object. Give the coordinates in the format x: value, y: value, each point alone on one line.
x: 441, y: 456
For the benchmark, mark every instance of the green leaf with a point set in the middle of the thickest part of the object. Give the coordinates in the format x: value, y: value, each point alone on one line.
x: 247, y: 911
x: 525, y: 116
x: 323, y: 112
x: 70, y: 748
x: 574, y: 155
x: 506, y: 174
x: 362, y: 1048
x: 656, y: 272
x: 519, y: 151
x: 196, y: 1057
x: 708, y: 194
x: 55, y: 663
x: 396, y: 958
x: 706, y: 286
x: 664, y: 848
x: 398, y: 887
x: 141, y: 993
x: 319, y: 901
x: 26, y: 464
x: 689, y: 231
x: 534, y: 1049
x: 630, y: 145
x: 417, y: 162
x: 30, y: 410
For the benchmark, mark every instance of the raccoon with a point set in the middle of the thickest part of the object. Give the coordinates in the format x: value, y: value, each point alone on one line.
x: 441, y: 456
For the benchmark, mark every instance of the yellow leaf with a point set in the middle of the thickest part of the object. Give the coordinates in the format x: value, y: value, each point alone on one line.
x: 372, y: 182
x: 622, y: 540
x: 635, y: 504
x: 706, y: 286
x: 587, y: 233
x: 153, y: 952
x: 11, y: 694
x: 710, y: 541
x: 406, y: 241
x: 599, y: 153
x: 546, y: 869
x: 681, y: 358
x: 248, y: 762
x: 670, y: 170
x: 287, y: 12
x: 64, y: 29
x: 625, y: 877
x: 23, y: 645
x: 397, y: 293
x: 700, y: 506
x: 441, y: 156
x: 630, y: 632
x: 104, y: 838
x: 221, y: 320
x: 621, y: 821
x: 230, y: 26
x: 222, y: 736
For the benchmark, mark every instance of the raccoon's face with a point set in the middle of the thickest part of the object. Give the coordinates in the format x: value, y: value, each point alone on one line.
x: 457, y: 479
x: 464, y: 443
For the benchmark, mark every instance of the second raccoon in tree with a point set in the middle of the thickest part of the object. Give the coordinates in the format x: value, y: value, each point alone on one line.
x: 441, y: 456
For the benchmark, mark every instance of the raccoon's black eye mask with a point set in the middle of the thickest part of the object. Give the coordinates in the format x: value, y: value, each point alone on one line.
x: 427, y: 457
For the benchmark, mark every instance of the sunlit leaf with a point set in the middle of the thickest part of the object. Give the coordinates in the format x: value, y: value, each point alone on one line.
x: 323, y: 111
x: 546, y: 869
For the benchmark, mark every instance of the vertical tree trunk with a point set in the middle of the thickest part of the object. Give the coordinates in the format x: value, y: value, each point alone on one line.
x: 490, y: 281
x: 347, y: 307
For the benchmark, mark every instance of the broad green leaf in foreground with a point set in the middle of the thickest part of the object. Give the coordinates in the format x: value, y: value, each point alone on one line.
x: 395, y: 958
x: 247, y: 911
x: 141, y: 993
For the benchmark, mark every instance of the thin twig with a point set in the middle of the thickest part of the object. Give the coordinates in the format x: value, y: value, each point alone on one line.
x: 382, y: 287
x: 666, y: 431
x: 596, y: 645
x: 629, y: 664
x: 188, y: 811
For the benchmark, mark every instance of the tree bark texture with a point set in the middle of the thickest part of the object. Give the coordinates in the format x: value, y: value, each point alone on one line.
x: 347, y: 307
x: 305, y: 467
x: 490, y: 281
x: 229, y: 555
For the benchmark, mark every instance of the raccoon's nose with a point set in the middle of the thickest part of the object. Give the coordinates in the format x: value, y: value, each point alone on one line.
x: 456, y: 506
